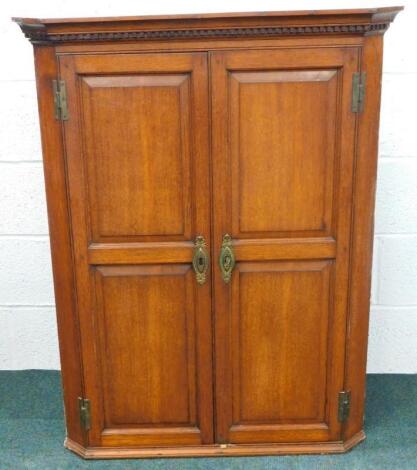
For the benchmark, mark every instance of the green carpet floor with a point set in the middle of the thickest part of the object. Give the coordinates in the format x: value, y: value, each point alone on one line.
x: 32, y: 432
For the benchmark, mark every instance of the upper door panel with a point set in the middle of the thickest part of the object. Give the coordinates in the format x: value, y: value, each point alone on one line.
x: 140, y: 134
x: 282, y: 131
x: 137, y: 135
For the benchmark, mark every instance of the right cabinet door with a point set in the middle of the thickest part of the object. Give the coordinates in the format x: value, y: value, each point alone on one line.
x: 283, y: 168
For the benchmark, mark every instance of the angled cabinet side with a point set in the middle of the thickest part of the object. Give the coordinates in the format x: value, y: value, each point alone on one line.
x: 362, y: 235
x: 60, y: 240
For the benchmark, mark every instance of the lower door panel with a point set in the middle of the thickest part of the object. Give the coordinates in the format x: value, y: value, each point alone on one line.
x: 279, y: 347
x: 147, y: 325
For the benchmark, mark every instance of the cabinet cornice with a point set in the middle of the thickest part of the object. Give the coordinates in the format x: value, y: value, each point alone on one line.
x: 217, y: 26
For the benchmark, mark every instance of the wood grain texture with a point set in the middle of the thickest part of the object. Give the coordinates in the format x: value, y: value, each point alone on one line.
x: 223, y: 450
x: 205, y: 125
x: 270, y: 139
x: 133, y: 173
x: 362, y: 236
x: 211, y: 26
x: 61, y: 244
x: 152, y: 311
x: 257, y: 16
x: 146, y: 324
x: 285, y: 248
x: 279, y: 350
x: 271, y: 325
x: 241, y: 153
x: 140, y: 252
x: 202, y: 45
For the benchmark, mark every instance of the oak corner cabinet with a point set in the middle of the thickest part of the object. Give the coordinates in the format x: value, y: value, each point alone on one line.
x: 210, y: 184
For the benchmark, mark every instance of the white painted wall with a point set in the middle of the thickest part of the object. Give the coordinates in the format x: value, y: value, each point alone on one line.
x: 27, y: 315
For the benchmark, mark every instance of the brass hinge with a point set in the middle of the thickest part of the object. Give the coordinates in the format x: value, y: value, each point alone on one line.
x: 60, y: 100
x: 358, y: 91
x: 84, y: 408
x: 344, y: 406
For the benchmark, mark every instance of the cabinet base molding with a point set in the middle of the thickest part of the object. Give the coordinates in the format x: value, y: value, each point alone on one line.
x: 228, y: 450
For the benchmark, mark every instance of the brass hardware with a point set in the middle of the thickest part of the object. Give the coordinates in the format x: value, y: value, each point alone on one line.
x: 344, y: 406
x: 60, y: 100
x: 358, y: 91
x: 200, y: 260
x: 227, y: 258
x: 84, y: 408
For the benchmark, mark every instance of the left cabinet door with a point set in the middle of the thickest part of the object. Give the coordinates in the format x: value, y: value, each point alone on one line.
x: 136, y: 143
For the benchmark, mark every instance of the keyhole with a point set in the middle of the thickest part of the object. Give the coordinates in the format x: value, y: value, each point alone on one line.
x: 227, y: 262
x: 201, y: 264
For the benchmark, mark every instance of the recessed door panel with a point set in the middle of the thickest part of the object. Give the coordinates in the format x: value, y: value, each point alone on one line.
x: 282, y: 178
x: 271, y: 325
x: 151, y: 310
x: 145, y: 321
x: 282, y: 133
x: 137, y: 134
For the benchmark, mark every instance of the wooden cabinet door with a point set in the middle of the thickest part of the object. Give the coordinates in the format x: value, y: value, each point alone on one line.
x: 136, y: 144
x: 283, y: 160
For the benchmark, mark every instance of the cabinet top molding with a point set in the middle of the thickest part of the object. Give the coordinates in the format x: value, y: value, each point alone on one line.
x: 209, y: 26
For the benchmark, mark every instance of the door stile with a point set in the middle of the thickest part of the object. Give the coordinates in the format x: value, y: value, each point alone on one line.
x: 221, y: 213
x: 80, y: 238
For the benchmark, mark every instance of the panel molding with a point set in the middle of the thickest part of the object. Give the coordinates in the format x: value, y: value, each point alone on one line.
x: 279, y: 428
x: 137, y: 80
x: 151, y: 437
x: 285, y: 248
x: 243, y: 434
x: 280, y: 186
x: 277, y: 76
x: 140, y: 252
x: 140, y: 161
x: 146, y: 431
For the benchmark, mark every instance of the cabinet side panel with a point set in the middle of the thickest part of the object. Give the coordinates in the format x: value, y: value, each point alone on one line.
x: 60, y: 239
x: 362, y: 237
